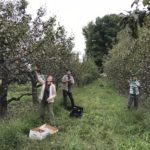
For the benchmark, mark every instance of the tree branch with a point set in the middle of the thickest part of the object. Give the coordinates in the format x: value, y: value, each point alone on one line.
x: 18, y: 98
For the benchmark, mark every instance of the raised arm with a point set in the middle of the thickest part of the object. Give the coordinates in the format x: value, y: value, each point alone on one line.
x: 39, y: 78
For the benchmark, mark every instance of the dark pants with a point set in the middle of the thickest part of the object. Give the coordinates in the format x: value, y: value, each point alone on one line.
x: 133, y: 98
x: 69, y: 94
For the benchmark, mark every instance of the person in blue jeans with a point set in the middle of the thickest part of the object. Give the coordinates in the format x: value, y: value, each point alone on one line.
x: 134, y: 91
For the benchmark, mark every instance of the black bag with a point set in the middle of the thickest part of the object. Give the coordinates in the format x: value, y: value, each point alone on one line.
x: 77, y: 111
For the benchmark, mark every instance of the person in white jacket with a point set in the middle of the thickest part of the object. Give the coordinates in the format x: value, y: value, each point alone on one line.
x: 46, y: 97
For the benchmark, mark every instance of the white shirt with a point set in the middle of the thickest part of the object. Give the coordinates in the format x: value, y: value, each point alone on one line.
x: 134, y: 87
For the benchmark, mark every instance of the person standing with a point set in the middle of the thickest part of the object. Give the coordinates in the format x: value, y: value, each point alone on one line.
x: 68, y: 81
x: 46, y: 97
x: 134, y: 91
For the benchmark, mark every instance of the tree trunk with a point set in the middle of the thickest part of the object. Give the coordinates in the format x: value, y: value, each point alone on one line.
x: 34, y: 93
x: 3, y: 98
x: 32, y: 76
x: 3, y: 87
x: 57, y: 85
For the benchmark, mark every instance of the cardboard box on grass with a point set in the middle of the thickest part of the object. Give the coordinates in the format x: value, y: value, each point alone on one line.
x: 51, y: 129
x: 38, y: 134
x: 42, y: 132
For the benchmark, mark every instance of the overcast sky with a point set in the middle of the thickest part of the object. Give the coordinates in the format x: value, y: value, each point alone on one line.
x: 75, y: 14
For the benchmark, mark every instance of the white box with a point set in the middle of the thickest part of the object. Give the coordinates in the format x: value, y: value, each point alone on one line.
x: 38, y: 134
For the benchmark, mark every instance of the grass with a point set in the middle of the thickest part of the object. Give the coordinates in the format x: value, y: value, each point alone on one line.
x: 105, y: 125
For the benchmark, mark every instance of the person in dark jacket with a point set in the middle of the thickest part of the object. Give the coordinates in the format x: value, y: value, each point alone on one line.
x: 68, y: 81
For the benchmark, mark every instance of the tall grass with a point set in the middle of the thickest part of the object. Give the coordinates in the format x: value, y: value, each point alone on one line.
x: 105, y: 125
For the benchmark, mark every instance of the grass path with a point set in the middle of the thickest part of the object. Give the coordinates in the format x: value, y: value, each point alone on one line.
x: 105, y: 125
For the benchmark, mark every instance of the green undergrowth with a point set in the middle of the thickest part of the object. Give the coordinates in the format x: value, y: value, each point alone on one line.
x: 106, y: 123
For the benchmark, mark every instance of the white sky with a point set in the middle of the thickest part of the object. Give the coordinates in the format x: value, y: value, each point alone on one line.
x: 75, y: 14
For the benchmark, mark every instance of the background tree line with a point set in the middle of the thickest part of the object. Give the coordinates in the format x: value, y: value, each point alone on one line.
x: 121, y: 45
x: 132, y: 53
x: 100, y: 36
